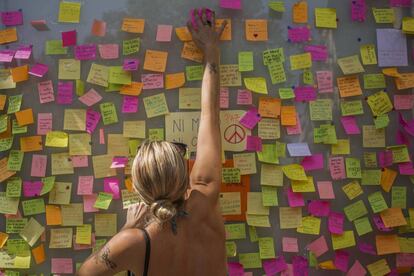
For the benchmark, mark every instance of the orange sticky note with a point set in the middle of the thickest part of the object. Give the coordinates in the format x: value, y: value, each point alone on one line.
x: 393, y: 217
x: 24, y: 117
x: 39, y: 254
x: 256, y: 30
x: 269, y: 107
x: 183, y: 34
x: 98, y: 27
x: 2, y: 101
x: 31, y: 143
x: 53, y: 215
x: 288, y: 115
x: 327, y: 265
x: 349, y: 86
x: 128, y: 184
x: 133, y: 89
x: 155, y: 61
x: 191, y: 52
x: 8, y: 35
x: 20, y: 73
x: 387, y: 179
x: 3, y: 238
x: 133, y: 25
x: 174, y: 80
x: 300, y: 12
x: 4, y: 172
x: 8, y: 132
x: 391, y: 72
x: 387, y: 244
x: 405, y: 81
x: 226, y: 35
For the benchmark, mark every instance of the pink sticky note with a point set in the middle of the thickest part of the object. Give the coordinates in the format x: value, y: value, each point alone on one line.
x: 305, y: 93
x: 62, y: 265
x: 69, y: 38
x: 32, y: 189
x: 295, y: 199
x: 294, y: 130
x: 358, y: 10
x: 44, y: 123
x: 23, y: 52
x: 90, y: 98
x: 235, y: 269
x: 402, y: 139
x: 224, y: 97
x: 65, y: 92
x: 77, y: 246
x: 131, y: 64
x: 152, y: 81
x: 336, y: 223
x: 341, y: 260
x: 400, y: 3
x: 318, y: 246
x: 6, y: 55
x: 111, y: 185
x: 101, y: 136
x: 39, y: 25
x: 403, y: 102
x: 350, y: 125
x: 300, y: 265
x: 406, y: 168
x: 319, y: 208
x: 405, y: 260
x: 80, y: 161
x: 318, y: 52
x: 356, y: 270
x: 88, y: 202
x: 108, y: 51
x: 325, y: 190
x: 130, y: 104
x: 376, y: 218
x: 92, y: 120
x: 290, y: 244
x: 12, y: 18
x: 231, y: 4
x: 274, y: 266
x: 244, y: 97
x: 313, y: 162
x: 253, y: 143
x: 325, y: 81
x: 119, y: 162
x: 385, y: 158
x: 288, y: 271
x: 299, y: 34
x: 38, y: 168
x: 85, y: 184
x: 250, y: 118
x: 46, y: 93
x: 39, y: 70
x: 337, y: 167
x: 366, y: 248
x: 164, y: 33
x: 85, y: 52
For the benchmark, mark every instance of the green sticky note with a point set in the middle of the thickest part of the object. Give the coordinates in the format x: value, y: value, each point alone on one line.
x: 399, y: 197
x: 269, y: 196
x: 286, y: 93
x: 266, y: 248
x: 370, y: 159
x: 55, y: 47
x: 113, y: 87
x: 80, y: 87
x: 131, y: 46
x: 15, y: 103
x: 156, y: 134
x: 16, y: 129
x: 374, y: 81
x: 321, y: 110
x: 381, y: 121
x: 355, y: 210
x: 18, y: 247
x: 15, y: 225
x: 253, y: 234
x: 277, y: 72
x: 230, y: 175
x: 235, y: 231
x: 400, y: 154
x: 250, y: 260
x: 133, y: 145
x: 246, y: 61
x: 194, y: 72
x: 14, y: 163
x: 231, y: 249
x: 8, y: 205
x: 280, y: 149
x: 313, y: 261
x: 325, y: 134
x: 268, y: 154
x: 11, y: 273
x: 6, y: 144
x: 278, y: 6
x: 48, y: 184
x: 371, y: 177
x: 353, y: 168
x: 117, y: 75
x: 103, y: 201
x: 362, y: 226
x: 108, y: 113
x: 4, y: 122
x: 308, y: 77
x: 14, y: 187
x: 33, y: 206
x: 351, y: 108
x: 273, y: 55
x: 377, y: 202
x: 156, y: 105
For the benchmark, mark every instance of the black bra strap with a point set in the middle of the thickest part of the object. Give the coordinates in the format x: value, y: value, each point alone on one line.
x: 147, y: 251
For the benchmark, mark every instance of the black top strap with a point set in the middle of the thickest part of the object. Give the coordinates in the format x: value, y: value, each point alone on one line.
x: 147, y: 251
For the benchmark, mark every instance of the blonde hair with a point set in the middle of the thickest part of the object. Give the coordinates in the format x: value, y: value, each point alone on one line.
x: 160, y: 177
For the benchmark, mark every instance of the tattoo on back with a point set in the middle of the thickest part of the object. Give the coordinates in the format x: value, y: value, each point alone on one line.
x: 103, y: 257
x: 212, y: 67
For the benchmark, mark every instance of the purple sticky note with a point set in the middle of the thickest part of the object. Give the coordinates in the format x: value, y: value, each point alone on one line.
x: 295, y: 199
x: 400, y: 3
x: 130, y: 64
x: 39, y: 70
x: 231, y: 4
x: 12, y: 18
x: 69, y: 38
x: 337, y: 167
x: 299, y: 34
x: 111, y: 185
x: 341, y: 260
x: 92, y: 120
x: 319, y: 208
x: 367, y: 248
x: 385, y: 158
x: 401, y: 139
x: 6, y: 55
x: 62, y: 265
x: 298, y: 149
x: 130, y: 104
x: 300, y: 266
x: 253, y: 143
x: 250, y: 118
x: 380, y: 224
x: 406, y: 168
x: 65, y: 92
x: 336, y: 223
x: 405, y: 260
x: 152, y: 81
x: 235, y: 269
x: 119, y: 162
x: 23, y: 52
x: 305, y: 93
x: 350, y: 125
x: 318, y: 52
x: 358, y: 10
x: 32, y: 189
x: 313, y: 162
x: 274, y: 266
x: 85, y: 52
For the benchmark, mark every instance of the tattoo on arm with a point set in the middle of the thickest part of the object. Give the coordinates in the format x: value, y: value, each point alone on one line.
x: 103, y: 257
x: 212, y: 67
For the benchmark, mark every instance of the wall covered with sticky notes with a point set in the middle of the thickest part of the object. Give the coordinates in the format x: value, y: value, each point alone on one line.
x: 316, y: 117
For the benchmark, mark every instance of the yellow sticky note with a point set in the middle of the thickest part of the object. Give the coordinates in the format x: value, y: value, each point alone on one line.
x: 230, y: 75
x: 300, y: 61
x: 61, y: 238
x: 134, y: 129
x: 325, y: 18
x: 266, y: 248
x: 379, y: 268
x: 84, y: 234
x: 347, y: 239
x: 391, y: 72
x: 189, y: 98
x: 256, y: 84
x: 230, y: 203
x: 342, y: 147
x: 255, y: 204
x: 69, y: 69
x: 290, y: 217
x: 303, y: 186
x: 350, y: 65
x: 156, y: 105
x: 295, y: 172
x: 69, y: 12
x: 133, y: 25
x: 383, y: 16
x: 80, y: 144
x: 256, y: 30
x: 105, y: 225
x: 408, y: 25
x: 183, y: 34
x: 57, y: 139
x: 310, y: 225
x: 98, y: 74
x: 380, y: 103
x: 368, y: 55
x: 352, y: 189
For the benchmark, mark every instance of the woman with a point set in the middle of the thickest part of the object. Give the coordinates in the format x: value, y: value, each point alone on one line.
x: 178, y: 228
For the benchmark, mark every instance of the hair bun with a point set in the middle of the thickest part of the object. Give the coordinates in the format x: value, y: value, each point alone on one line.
x: 163, y: 210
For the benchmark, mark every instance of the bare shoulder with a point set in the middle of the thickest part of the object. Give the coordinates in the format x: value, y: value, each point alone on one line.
x: 200, y: 204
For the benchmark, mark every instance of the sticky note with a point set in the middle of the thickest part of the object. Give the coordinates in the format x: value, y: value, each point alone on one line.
x: 133, y: 25
x: 392, y: 48
x: 368, y: 54
x: 325, y: 18
x: 155, y: 105
x: 69, y: 38
x: 152, y: 81
x: 20, y: 73
x: 155, y: 60
x: 256, y: 29
x: 98, y: 28
x: 108, y: 113
x: 231, y: 4
x: 8, y: 35
x: 229, y: 75
x: 300, y: 61
x: 191, y: 52
x: 108, y: 51
x: 300, y: 12
x: 175, y: 80
x: 349, y: 86
x: 69, y: 69
x: 256, y: 84
x: 117, y: 75
x: 131, y: 46
x: 69, y: 12
x: 383, y: 16
x: 164, y: 33
x: 350, y: 65
x: 246, y: 61
x: 12, y: 18
x: 85, y: 52
x: 55, y: 47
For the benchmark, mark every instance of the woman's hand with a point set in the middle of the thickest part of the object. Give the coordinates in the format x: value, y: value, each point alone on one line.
x: 205, y: 35
x: 136, y: 216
